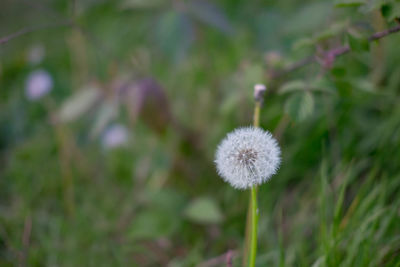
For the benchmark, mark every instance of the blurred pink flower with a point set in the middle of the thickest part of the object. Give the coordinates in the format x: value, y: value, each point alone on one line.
x: 115, y: 136
x: 38, y: 84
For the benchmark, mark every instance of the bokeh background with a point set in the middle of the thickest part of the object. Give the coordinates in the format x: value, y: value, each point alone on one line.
x: 111, y: 111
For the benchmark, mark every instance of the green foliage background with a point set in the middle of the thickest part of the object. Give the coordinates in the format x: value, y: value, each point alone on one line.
x: 65, y: 200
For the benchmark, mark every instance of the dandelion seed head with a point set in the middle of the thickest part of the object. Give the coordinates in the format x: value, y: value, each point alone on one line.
x: 247, y: 156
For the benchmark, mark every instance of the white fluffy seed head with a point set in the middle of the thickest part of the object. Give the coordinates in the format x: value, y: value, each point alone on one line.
x: 248, y: 156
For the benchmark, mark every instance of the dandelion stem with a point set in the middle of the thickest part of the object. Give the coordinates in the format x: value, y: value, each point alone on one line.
x: 256, y: 118
x: 253, y: 200
x: 254, y: 222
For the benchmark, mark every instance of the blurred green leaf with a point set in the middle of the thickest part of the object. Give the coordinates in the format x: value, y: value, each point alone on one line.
x: 322, y: 84
x: 300, y: 105
x: 344, y: 3
x: 358, y: 44
x: 386, y: 11
x: 364, y: 85
x: 79, y: 103
x: 338, y: 71
x: 160, y: 218
x: 153, y: 223
x: 390, y: 11
x: 105, y: 114
x: 203, y: 210
x: 139, y: 4
x: 330, y: 32
x: 292, y: 86
x: 309, y: 18
x: 320, y: 262
x: 303, y: 43
x: 174, y: 34
x: 210, y: 14
x: 372, y: 5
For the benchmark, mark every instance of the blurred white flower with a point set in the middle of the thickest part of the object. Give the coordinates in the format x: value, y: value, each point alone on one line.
x: 38, y: 84
x: 247, y: 156
x: 115, y: 136
x: 259, y: 90
x: 36, y: 54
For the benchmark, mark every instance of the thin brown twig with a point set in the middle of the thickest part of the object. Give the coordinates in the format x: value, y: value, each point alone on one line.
x: 330, y: 54
x: 27, y: 30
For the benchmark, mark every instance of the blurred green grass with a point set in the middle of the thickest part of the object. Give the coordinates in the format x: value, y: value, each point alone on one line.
x: 179, y: 76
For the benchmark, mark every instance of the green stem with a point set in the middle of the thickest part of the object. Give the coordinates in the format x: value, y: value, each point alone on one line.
x: 252, y: 214
x: 256, y: 118
x: 254, y: 222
